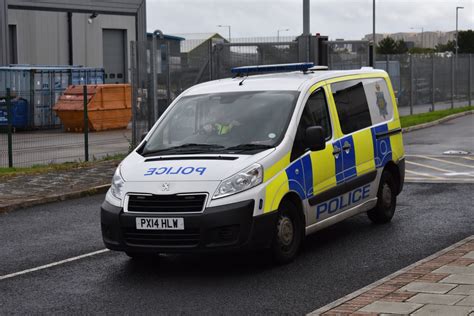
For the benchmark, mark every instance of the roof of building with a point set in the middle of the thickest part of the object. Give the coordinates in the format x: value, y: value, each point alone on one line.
x: 193, y: 40
x: 288, y: 81
x: 168, y: 37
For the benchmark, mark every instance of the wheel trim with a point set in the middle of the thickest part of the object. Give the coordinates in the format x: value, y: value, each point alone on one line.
x: 285, y: 231
x: 386, y: 195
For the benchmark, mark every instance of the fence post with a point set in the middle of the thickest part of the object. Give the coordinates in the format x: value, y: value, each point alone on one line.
x: 469, y: 81
x: 86, y: 125
x: 210, y: 60
x: 134, y: 92
x: 168, y: 74
x: 9, y: 127
x: 452, y: 82
x: 153, y: 73
x: 433, y: 96
x: 411, y: 84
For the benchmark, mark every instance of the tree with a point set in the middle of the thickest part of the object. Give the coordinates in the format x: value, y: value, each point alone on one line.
x: 401, y: 47
x: 448, y: 47
x: 466, y: 42
x: 389, y: 46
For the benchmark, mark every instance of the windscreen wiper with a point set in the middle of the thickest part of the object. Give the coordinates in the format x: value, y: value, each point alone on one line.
x: 189, y: 147
x: 244, y: 147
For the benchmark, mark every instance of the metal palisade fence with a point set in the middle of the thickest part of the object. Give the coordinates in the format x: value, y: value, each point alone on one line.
x: 159, y: 72
x: 422, y: 83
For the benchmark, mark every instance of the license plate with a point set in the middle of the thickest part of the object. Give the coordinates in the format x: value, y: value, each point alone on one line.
x: 157, y: 223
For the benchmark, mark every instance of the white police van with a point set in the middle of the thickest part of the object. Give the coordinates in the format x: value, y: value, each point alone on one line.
x: 259, y: 162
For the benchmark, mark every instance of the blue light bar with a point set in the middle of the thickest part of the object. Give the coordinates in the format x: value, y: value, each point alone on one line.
x: 245, y: 70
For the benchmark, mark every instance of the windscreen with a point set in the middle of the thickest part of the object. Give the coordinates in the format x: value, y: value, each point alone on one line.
x: 220, y: 122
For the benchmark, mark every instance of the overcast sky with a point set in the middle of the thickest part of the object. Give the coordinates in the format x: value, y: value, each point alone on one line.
x: 348, y: 19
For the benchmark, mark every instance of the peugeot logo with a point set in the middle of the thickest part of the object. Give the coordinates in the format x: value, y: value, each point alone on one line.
x: 165, y: 187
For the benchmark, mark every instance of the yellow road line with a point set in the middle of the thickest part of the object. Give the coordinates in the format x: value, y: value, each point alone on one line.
x: 430, y: 167
x: 423, y: 174
x: 444, y: 161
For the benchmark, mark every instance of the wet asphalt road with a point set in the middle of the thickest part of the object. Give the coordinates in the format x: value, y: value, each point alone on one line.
x: 333, y: 263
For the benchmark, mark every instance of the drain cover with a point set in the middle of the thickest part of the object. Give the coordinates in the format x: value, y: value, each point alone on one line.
x: 456, y: 152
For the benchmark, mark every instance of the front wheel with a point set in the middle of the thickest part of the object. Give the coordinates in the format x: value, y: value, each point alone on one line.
x: 289, y: 233
x: 386, y: 200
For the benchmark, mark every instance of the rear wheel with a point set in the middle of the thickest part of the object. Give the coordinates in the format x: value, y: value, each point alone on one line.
x: 289, y: 233
x: 386, y: 200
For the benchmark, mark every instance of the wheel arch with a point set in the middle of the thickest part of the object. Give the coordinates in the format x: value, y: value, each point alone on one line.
x: 295, y: 199
x: 394, y: 169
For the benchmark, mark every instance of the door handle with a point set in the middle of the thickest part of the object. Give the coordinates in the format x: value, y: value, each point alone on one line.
x: 336, y: 151
x: 346, y: 147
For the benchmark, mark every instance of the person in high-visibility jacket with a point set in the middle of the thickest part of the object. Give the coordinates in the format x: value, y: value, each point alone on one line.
x: 219, y: 125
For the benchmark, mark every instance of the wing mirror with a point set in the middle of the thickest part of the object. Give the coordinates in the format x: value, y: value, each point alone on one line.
x: 314, y: 138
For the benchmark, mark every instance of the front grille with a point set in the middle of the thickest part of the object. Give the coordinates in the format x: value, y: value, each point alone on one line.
x: 166, y: 203
x: 183, y: 238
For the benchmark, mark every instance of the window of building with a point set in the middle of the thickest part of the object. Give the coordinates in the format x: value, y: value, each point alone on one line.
x: 13, y: 53
x: 351, y: 105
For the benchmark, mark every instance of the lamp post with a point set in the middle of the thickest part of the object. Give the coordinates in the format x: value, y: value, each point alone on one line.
x: 422, y: 30
x: 457, y: 14
x: 374, y: 45
x: 229, y: 27
x: 278, y: 33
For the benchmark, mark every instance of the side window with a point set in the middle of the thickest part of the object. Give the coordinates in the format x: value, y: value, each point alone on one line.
x: 315, y: 113
x: 351, y: 105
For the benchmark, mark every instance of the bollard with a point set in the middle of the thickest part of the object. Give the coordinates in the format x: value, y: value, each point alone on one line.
x: 9, y: 128
x: 86, y: 126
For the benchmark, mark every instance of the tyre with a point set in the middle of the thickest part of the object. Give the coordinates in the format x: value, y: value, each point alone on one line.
x: 386, y: 200
x: 289, y: 233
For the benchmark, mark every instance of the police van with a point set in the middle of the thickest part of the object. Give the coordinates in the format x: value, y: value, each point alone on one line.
x: 259, y: 161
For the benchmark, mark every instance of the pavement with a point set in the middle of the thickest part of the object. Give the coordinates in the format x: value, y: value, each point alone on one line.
x: 31, y: 189
x: 442, y: 284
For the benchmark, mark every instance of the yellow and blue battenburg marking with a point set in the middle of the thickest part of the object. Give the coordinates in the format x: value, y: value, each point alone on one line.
x: 382, y: 145
x: 348, y: 163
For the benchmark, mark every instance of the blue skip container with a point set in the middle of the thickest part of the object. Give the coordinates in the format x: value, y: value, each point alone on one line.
x: 19, y: 108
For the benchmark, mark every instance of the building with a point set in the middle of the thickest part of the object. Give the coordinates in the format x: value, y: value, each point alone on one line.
x: 196, y: 47
x: 67, y: 32
x: 172, y: 45
x: 426, y: 39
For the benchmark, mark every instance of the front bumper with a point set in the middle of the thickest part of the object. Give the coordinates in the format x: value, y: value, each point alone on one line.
x: 226, y: 227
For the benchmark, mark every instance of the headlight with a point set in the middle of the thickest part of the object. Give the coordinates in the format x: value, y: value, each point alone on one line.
x: 117, y: 184
x: 242, y: 181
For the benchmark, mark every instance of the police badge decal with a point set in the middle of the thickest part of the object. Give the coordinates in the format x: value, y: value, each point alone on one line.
x: 381, y: 103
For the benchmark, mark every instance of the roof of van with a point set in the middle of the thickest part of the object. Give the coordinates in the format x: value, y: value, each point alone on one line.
x: 285, y: 81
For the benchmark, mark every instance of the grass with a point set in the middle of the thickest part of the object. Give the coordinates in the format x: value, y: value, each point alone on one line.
x: 421, y: 118
x: 38, y: 169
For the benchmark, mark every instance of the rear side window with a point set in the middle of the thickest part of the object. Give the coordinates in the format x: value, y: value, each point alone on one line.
x: 351, y: 105
x: 379, y: 99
